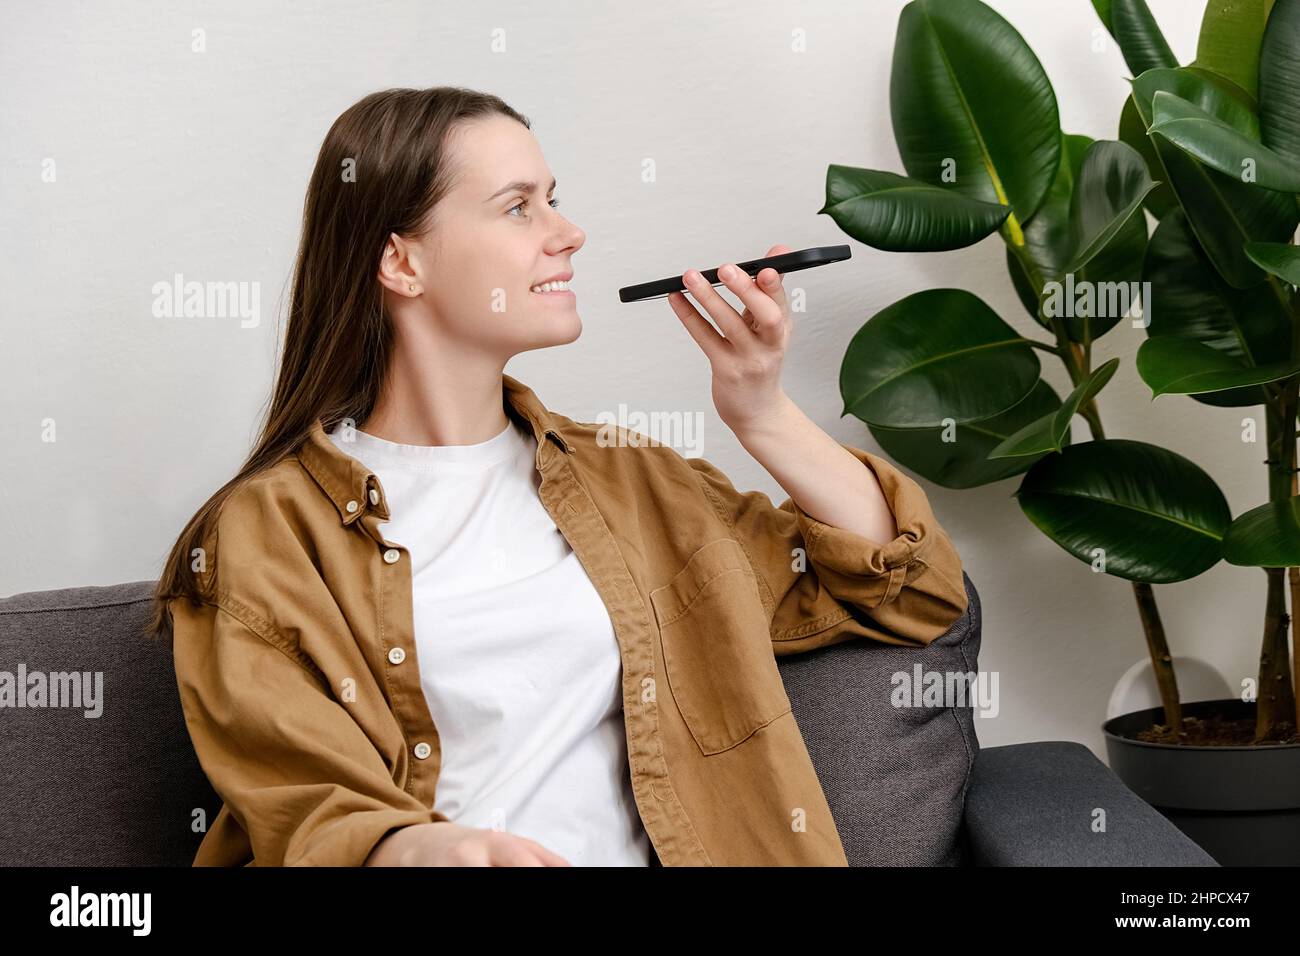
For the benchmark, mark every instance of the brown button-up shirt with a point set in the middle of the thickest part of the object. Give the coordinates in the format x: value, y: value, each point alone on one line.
x: 302, y: 693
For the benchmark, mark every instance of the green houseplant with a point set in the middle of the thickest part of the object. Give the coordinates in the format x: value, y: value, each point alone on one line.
x: 952, y: 391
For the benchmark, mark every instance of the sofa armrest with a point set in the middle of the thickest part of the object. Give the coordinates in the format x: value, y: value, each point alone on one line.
x: 1037, y: 804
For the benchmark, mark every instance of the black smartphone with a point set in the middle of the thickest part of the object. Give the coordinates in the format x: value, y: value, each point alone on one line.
x: 787, y: 262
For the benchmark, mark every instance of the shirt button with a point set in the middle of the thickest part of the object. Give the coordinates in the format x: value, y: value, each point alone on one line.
x: 422, y: 750
x: 396, y: 655
x: 391, y: 555
x: 352, y: 506
x: 374, y: 496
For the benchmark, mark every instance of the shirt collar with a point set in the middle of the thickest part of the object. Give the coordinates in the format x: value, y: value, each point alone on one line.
x: 353, y: 487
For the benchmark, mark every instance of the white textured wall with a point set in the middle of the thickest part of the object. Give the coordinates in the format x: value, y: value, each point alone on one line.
x: 170, y: 161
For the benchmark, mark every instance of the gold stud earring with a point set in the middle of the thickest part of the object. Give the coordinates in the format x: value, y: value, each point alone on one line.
x: 412, y: 288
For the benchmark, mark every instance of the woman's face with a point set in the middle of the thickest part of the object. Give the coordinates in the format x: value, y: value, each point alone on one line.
x: 493, y: 240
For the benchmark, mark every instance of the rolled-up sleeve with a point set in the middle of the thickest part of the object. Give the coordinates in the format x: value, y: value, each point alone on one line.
x: 293, y: 768
x: 827, y: 584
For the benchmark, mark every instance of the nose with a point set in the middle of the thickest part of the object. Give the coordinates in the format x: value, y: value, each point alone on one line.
x: 567, y: 236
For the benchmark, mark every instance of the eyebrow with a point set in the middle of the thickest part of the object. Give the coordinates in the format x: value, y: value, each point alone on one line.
x: 519, y: 186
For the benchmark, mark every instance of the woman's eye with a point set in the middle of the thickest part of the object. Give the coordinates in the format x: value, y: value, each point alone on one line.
x: 554, y: 204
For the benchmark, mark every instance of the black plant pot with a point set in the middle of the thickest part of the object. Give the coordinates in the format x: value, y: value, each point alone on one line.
x: 1241, y: 804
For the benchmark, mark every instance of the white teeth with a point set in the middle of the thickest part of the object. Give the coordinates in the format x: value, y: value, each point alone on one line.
x: 558, y: 286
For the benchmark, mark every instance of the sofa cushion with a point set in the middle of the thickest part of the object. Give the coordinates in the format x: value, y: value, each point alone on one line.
x: 895, y: 777
x: 113, y: 781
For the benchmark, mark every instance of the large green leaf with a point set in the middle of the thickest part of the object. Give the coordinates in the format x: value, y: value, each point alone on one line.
x: 892, y: 212
x: 1139, y: 37
x: 956, y: 456
x: 1191, y: 301
x: 1265, y: 537
x: 1136, y: 34
x: 971, y: 106
x: 1160, y: 201
x: 1047, y: 233
x: 1282, y: 259
x: 1051, y: 432
x: 1173, y: 364
x: 932, y: 358
x: 1279, y: 80
x: 1231, y: 32
x: 1220, y: 146
x: 1113, y: 181
x: 1224, y: 212
x: 1154, y: 515
x: 1087, y: 217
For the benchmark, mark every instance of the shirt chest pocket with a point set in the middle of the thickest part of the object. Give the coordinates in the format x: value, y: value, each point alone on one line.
x: 717, y: 650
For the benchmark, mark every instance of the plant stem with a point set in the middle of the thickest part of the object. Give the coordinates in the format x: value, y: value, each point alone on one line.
x: 1045, y: 346
x: 1293, y: 573
x: 1162, y: 663
x: 1277, y: 702
x: 1076, y: 363
x: 1086, y: 359
x: 1089, y: 411
x: 1288, y: 423
x: 1278, y: 688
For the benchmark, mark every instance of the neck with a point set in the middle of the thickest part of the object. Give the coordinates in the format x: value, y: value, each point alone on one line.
x: 435, y: 394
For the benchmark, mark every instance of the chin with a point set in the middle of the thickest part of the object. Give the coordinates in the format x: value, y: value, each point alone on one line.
x: 563, y: 331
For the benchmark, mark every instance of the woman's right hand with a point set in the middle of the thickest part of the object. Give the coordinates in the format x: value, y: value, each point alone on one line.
x: 449, y: 844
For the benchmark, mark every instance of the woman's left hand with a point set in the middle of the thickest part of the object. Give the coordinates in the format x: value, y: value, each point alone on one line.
x: 747, y: 361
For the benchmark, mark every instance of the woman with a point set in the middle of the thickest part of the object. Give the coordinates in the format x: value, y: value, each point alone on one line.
x: 558, y: 649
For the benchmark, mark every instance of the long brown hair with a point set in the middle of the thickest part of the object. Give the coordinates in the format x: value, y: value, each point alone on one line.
x: 382, y: 169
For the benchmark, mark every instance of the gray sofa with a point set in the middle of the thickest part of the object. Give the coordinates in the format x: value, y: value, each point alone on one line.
x: 907, y: 786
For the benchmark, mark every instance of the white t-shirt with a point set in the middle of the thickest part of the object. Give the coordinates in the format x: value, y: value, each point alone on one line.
x: 517, y: 655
